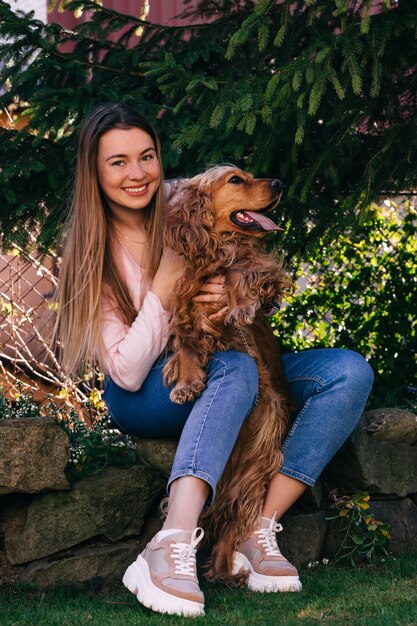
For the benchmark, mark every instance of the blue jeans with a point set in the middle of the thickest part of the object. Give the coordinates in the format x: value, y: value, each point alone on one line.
x: 329, y: 387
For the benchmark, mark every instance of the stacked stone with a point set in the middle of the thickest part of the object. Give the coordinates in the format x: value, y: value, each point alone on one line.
x: 380, y: 457
x: 54, y: 533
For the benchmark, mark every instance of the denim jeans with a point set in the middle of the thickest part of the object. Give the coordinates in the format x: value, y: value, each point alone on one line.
x: 329, y: 387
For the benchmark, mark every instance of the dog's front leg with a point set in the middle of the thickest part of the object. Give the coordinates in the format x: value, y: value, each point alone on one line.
x: 191, y: 347
x: 184, y: 369
x: 243, y: 304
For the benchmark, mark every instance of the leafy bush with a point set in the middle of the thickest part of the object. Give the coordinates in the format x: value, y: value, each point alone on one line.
x: 92, y: 448
x: 361, y: 293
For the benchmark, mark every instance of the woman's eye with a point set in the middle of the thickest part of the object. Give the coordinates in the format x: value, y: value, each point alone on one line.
x: 148, y: 157
x: 118, y: 163
x: 236, y: 180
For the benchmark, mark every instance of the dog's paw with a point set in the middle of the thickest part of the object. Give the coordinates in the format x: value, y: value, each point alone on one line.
x: 241, y: 316
x: 188, y: 392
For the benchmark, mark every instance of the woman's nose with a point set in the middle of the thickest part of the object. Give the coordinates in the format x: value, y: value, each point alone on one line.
x: 136, y: 171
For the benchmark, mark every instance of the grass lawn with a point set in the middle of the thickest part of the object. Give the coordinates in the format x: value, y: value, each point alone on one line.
x: 383, y: 595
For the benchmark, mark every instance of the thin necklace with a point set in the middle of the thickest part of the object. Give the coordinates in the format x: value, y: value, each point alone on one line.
x: 141, y: 243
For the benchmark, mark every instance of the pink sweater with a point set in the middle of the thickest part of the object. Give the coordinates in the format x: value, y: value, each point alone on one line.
x: 131, y: 351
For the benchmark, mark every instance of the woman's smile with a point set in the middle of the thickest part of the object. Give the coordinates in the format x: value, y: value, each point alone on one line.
x: 136, y: 191
x: 140, y: 189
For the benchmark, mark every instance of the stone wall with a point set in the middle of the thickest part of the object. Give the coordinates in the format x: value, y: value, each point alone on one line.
x: 54, y: 533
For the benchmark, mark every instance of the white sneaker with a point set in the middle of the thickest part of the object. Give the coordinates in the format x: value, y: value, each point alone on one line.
x: 164, y: 576
x: 268, y: 569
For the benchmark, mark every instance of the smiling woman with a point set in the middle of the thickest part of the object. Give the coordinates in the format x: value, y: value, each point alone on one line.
x: 115, y: 298
x: 117, y: 205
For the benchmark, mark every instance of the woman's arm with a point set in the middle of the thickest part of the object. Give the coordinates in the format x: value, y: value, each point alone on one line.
x: 171, y: 186
x: 171, y: 268
x: 130, y: 352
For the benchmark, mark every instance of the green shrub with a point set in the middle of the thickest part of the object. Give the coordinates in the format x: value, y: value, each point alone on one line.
x: 361, y: 293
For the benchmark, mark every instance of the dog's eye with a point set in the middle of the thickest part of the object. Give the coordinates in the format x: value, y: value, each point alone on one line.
x: 236, y: 180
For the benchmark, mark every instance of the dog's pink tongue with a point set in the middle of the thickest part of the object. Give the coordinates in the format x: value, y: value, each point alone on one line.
x: 263, y: 221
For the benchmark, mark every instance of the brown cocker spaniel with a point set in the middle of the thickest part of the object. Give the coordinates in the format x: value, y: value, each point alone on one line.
x: 217, y: 221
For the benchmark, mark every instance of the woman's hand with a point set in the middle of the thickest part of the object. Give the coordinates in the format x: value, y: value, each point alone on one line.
x: 213, y: 291
x: 171, y: 268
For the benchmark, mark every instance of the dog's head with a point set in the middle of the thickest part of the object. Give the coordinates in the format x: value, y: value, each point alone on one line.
x: 221, y: 199
x: 240, y: 201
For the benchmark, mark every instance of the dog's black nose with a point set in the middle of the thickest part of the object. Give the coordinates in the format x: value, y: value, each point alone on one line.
x: 277, y: 184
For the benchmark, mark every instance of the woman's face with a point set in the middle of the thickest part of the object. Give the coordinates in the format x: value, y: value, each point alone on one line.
x: 128, y: 169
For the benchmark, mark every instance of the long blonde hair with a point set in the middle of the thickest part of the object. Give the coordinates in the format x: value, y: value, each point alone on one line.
x: 89, y: 258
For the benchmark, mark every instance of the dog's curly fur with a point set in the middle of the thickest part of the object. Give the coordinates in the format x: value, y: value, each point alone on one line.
x: 200, y: 226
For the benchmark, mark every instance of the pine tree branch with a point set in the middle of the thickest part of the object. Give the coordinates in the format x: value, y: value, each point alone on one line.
x: 98, y: 66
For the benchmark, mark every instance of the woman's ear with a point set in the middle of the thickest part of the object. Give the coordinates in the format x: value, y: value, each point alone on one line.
x: 189, y: 225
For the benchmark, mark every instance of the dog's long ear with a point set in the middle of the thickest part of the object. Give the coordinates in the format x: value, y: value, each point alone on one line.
x: 189, y: 226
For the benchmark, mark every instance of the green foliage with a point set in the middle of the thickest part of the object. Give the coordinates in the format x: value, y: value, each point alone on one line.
x: 360, y: 292
x: 92, y: 448
x: 363, y: 537
x: 319, y: 94
x: 34, y: 179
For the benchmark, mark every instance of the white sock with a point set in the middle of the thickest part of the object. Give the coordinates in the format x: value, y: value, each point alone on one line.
x: 165, y: 533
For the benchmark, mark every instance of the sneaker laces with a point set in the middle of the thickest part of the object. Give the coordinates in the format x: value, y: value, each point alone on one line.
x: 267, y: 537
x: 184, y: 553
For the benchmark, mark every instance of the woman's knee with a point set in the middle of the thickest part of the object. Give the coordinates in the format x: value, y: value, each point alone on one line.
x: 354, y: 370
x: 240, y: 370
x: 240, y: 364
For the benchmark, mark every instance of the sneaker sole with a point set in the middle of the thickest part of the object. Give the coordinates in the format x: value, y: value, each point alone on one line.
x: 138, y: 580
x: 261, y: 582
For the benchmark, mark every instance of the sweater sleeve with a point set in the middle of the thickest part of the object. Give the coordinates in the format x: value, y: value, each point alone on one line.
x: 130, y: 352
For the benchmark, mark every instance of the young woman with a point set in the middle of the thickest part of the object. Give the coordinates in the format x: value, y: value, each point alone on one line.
x: 116, y: 288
